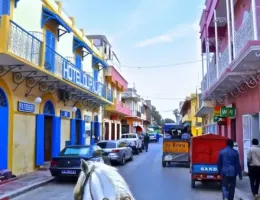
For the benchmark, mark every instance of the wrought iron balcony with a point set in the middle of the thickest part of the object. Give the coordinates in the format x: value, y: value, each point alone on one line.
x: 24, y: 44
x: 244, y: 34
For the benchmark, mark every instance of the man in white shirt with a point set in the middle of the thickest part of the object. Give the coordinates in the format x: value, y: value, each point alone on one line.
x: 253, y: 161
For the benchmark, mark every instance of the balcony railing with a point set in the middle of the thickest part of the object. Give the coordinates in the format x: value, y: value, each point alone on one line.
x: 28, y: 45
x: 244, y: 34
x: 24, y: 44
x: 223, y: 61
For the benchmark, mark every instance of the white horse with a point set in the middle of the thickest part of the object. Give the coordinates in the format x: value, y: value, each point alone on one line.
x: 98, y: 181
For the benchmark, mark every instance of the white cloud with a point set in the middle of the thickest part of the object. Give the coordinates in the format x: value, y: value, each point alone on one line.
x: 180, y: 31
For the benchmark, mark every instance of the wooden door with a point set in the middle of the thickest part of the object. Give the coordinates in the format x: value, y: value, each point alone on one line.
x: 47, y: 138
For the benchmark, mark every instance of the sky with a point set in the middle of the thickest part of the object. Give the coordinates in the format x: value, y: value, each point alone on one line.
x: 152, y: 39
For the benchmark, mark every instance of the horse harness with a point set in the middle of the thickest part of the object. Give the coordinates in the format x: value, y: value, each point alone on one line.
x: 88, y: 177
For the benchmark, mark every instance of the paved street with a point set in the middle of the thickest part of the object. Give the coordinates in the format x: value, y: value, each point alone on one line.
x: 147, y: 180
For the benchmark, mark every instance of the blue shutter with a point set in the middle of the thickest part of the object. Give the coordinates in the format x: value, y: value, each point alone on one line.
x: 72, y: 131
x: 92, y: 133
x: 56, y: 135
x: 39, y: 140
x: 97, y: 129
x: 82, y: 132
x: 95, y: 74
x: 78, y: 61
x: 4, y: 138
x: 50, y: 51
x: 5, y: 7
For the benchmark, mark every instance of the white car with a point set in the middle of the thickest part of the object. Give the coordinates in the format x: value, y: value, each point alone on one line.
x: 133, y: 140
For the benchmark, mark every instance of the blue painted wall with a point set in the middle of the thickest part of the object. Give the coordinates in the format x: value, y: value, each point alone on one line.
x: 39, y: 145
x: 56, y: 136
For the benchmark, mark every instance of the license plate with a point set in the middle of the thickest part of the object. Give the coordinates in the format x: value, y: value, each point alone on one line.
x: 209, y: 176
x: 68, y: 172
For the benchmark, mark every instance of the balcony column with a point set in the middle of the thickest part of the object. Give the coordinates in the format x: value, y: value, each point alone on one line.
x: 208, y: 61
x: 229, y: 32
x: 202, y: 62
x: 216, y: 41
x: 233, y: 27
x: 253, y: 2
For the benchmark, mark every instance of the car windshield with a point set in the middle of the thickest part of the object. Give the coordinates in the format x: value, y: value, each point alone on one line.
x: 75, y: 151
x: 107, y: 145
x: 128, y: 136
x: 151, y: 134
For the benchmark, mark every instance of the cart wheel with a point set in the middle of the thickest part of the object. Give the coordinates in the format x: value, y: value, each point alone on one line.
x: 163, y: 163
x: 192, y: 183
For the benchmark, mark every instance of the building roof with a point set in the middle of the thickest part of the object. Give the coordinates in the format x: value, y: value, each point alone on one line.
x: 103, y: 37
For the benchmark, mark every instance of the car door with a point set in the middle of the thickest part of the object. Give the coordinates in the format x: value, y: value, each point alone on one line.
x: 125, y: 147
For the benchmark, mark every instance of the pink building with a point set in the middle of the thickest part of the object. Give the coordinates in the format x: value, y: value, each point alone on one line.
x: 230, y: 41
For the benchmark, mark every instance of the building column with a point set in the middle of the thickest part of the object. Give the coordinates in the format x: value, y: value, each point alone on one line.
x: 229, y: 32
x: 202, y: 60
x: 253, y: 2
x: 208, y: 61
x: 233, y: 27
x: 109, y: 130
x: 216, y: 42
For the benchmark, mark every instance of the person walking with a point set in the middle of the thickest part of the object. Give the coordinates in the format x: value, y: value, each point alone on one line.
x: 146, y: 141
x: 229, y: 167
x: 253, y: 162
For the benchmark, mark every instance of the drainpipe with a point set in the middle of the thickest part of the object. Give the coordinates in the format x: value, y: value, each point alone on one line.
x: 229, y: 31
x: 253, y: 2
x: 233, y: 27
x: 216, y: 41
x: 202, y: 60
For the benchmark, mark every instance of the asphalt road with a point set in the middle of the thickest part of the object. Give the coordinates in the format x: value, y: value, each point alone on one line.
x: 147, y: 181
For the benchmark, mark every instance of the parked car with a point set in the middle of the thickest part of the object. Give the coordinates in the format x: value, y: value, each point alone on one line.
x: 67, y: 163
x: 133, y: 140
x: 152, y: 137
x: 117, y: 151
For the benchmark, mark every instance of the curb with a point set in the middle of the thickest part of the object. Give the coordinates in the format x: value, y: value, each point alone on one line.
x: 25, y: 189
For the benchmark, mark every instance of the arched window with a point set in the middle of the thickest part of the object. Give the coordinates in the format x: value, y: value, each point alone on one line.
x: 3, y: 98
x: 78, y: 114
x: 49, y: 108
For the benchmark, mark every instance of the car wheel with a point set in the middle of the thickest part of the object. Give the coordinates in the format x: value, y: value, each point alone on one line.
x: 112, y: 163
x: 192, y: 183
x: 163, y: 163
x: 131, y: 157
x: 123, y: 160
x: 137, y: 151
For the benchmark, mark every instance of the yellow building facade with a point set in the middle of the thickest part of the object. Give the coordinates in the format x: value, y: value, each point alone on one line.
x: 47, y: 101
x: 188, y: 110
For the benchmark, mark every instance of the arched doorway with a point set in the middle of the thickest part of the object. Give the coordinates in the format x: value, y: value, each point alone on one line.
x: 49, y: 113
x: 78, y: 127
x: 4, y: 130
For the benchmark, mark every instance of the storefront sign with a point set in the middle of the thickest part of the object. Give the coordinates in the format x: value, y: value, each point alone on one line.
x: 217, y: 111
x: 26, y: 107
x: 227, y: 112
x: 82, y: 79
x: 65, y: 114
x: 222, y: 121
x: 87, y: 118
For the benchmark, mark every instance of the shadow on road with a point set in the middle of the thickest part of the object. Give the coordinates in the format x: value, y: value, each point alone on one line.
x: 207, y: 186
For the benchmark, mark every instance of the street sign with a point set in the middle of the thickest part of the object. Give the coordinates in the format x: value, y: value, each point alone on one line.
x: 227, y: 112
x: 25, y: 107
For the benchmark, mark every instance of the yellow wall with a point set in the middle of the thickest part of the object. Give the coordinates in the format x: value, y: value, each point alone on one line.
x: 196, y: 131
x: 21, y: 150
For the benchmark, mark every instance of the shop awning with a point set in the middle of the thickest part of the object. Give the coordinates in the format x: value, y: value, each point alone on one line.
x: 48, y: 15
x: 206, y: 108
x: 96, y: 60
x: 77, y: 43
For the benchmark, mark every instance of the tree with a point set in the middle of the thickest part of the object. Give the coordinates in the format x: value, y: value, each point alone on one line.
x: 168, y: 120
x: 156, y: 116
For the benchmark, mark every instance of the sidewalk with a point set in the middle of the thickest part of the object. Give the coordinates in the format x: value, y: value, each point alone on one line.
x: 24, y: 183
x: 243, y: 191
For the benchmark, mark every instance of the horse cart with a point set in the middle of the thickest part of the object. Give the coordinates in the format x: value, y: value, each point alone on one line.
x: 204, y: 157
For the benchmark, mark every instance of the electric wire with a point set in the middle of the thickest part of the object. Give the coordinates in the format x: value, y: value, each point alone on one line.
x: 160, y: 66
